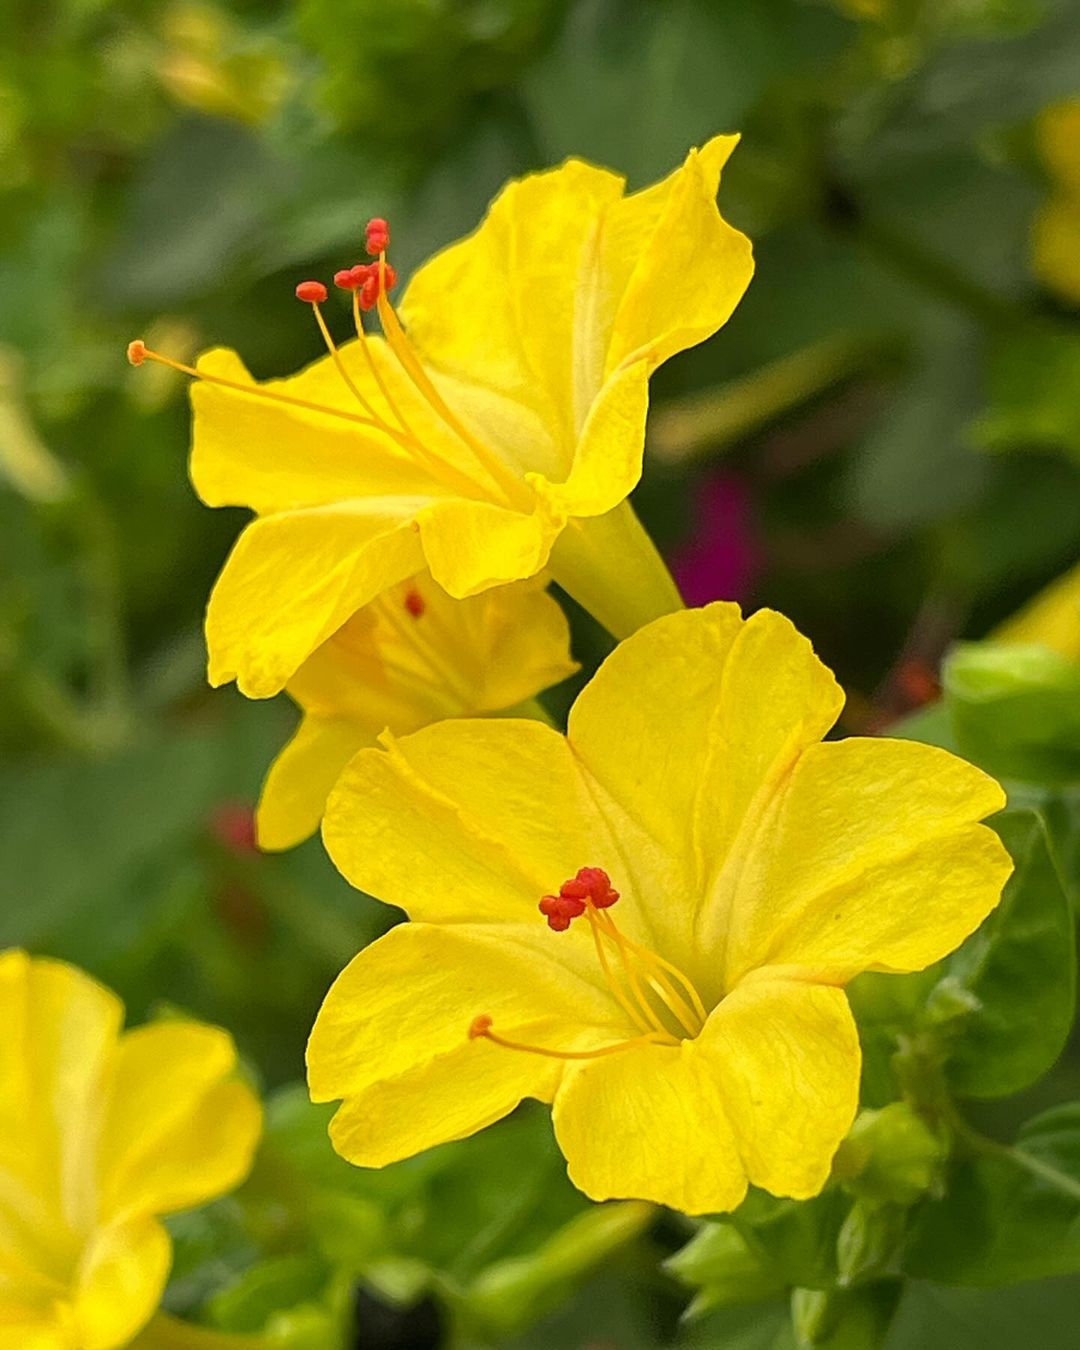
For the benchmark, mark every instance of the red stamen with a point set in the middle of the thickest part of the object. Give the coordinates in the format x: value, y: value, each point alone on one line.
x: 480, y: 1026
x: 312, y: 292
x: 136, y: 352
x: 414, y: 602
x: 377, y: 236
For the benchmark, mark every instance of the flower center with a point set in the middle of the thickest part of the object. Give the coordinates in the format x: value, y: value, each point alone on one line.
x: 656, y: 996
x: 370, y: 284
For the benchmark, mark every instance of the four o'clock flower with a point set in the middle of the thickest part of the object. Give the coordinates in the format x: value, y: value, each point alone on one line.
x: 495, y: 429
x: 649, y: 922
x: 101, y: 1132
x: 411, y: 657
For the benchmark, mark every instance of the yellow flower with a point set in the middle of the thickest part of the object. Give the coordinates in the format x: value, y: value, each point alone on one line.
x: 411, y: 657
x: 101, y: 1132
x: 702, y: 1041
x: 496, y: 429
x: 1055, y: 239
x: 1051, y: 619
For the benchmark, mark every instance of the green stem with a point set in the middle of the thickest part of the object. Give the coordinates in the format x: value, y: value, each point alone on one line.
x: 611, y: 567
x: 990, y: 1148
x: 716, y: 418
x: 932, y: 272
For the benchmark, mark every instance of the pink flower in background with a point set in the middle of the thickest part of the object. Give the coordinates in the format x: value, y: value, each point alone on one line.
x: 721, y: 559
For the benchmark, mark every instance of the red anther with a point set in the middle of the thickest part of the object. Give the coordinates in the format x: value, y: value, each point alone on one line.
x: 377, y: 236
x: 369, y: 293
x: 598, y: 885
x: 414, y: 602
x: 137, y: 352
x: 574, y: 890
x: 560, y: 910
x: 479, y: 1026
x: 352, y: 278
x: 313, y: 292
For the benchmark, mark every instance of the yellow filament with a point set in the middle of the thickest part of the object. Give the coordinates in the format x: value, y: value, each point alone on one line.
x: 485, y: 1033
x: 331, y: 347
x: 376, y: 374
x: 411, y: 631
x: 689, y: 1019
x: 410, y: 363
x: 644, y: 1023
x: 257, y: 390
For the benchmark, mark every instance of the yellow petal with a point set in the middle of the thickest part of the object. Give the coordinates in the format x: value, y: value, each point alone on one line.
x: 180, y: 1128
x: 472, y: 545
x: 871, y: 858
x: 650, y: 1124
x: 498, y: 309
x: 1055, y: 244
x: 251, y: 451
x: 1057, y: 138
x: 1051, y: 619
x: 391, y: 1038
x: 296, y: 788
x: 787, y: 1056
x: 293, y: 579
x: 390, y: 668
x: 120, y: 1282
x: 62, y: 1028
x: 689, y: 267
x: 764, y: 1094
x: 690, y: 727
x: 490, y: 816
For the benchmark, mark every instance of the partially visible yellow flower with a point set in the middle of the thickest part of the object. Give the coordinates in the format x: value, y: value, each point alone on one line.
x: 101, y: 1132
x: 1055, y: 237
x: 411, y: 657
x: 1051, y: 619
x: 703, y: 1040
x: 496, y: 430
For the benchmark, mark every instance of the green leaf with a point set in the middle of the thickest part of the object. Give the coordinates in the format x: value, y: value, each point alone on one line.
x: 1013, y: 983
x: 1034, y: 393
x: 1016, y: 710
x: 1009, y: 1213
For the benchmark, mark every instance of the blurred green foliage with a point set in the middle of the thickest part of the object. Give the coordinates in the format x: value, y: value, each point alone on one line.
x: 896, y: 403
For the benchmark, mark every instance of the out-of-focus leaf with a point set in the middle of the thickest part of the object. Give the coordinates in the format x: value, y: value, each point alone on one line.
x: 915, y: 466
x: 1034, y: 393
x: 634, y: 85
x: 1016, y: 710
x: 1009, y: 1213
x: 1042, y: 1314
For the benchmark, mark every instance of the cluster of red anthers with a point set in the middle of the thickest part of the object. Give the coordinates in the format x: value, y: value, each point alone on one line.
x: 591, y: 886
x: 366, y: 279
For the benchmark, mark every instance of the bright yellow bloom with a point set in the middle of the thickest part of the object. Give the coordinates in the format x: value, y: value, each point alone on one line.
x: 497, y: 428
x: 101, y: 1132
x: 1051, y: 619
x: 701, y: 1040
x: 411, y: 657
x: 1055, y: 238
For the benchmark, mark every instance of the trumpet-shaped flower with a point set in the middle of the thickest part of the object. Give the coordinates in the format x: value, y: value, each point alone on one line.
x: 495, y: 429
x: 100, y: 1133
x: 411, y: 657
x: 708, y: 873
